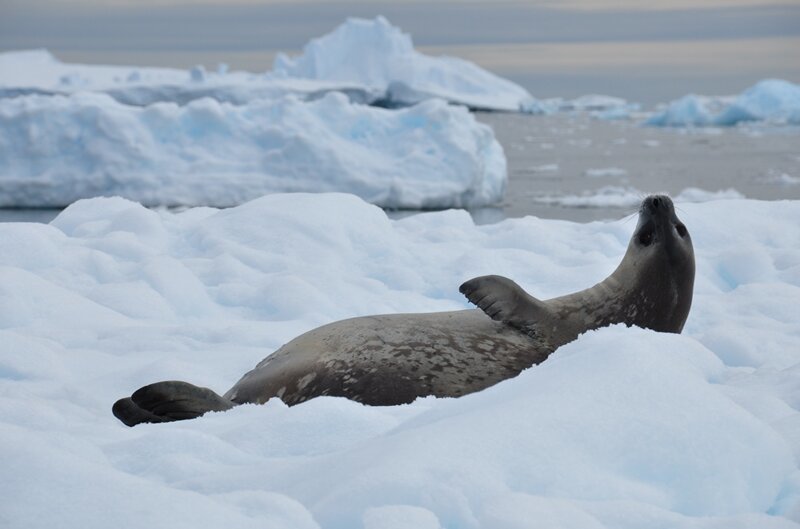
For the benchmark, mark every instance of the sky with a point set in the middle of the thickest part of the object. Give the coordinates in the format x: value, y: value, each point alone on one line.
x: 552, y: 47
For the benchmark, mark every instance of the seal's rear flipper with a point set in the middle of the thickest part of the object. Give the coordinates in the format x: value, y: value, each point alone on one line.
x: 168, y: 401
x: 504, y: 300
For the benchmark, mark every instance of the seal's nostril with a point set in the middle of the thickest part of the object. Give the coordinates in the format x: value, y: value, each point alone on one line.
x: 656, y: 203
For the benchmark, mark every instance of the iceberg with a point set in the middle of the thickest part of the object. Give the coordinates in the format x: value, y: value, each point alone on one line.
x: 770, y: 100
x: 55, y: 150
x: 624, y: 428
x: 689, y: 111
x: 38, y: 72
x: 378, y: 55
x: 371, y: 61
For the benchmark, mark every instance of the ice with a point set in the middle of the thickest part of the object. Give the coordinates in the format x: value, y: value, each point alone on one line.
x: 39, y: 72
x: 369, y: 60
x: 784, y: 179
x: 58, y: 149
x: 625, y: 196
x: 378, y: 55
x: 768, y: 100
x: 622, y: 428
x: 598, y: 106
x: 689, y: 111
x: 771, y: 100
x: 214, y: 137
x: 606, y: 172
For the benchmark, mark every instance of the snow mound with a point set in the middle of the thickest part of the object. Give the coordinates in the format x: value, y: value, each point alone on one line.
x: 622, y: 428
x: 55, y: 150
x: 771, y: 100
x: 378, y: 55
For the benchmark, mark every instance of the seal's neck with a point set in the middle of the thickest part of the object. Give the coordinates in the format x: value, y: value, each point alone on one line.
x: 623, y: 297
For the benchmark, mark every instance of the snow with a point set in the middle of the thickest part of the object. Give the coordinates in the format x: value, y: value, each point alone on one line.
x: 58, y: 149
x: 625, y: 196
x: 772, y: 100
x: 623, y: 428
x: 378, y: 55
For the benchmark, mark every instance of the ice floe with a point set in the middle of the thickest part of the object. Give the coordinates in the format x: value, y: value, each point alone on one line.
x: 625, y: 197
x: 375, y: 54
x: 369, y: 60
x: 771, y: 100
x: 623, y: 428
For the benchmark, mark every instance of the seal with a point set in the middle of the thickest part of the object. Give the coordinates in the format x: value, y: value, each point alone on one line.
x: 393, y: 359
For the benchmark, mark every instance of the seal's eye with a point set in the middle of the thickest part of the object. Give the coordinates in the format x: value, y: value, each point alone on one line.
x: 681, y: 229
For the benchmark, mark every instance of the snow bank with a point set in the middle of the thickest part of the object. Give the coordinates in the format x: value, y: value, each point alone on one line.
x: 55, y: 150
x: 623, y: 428
x: 376, y: 54
x: 771, y: 100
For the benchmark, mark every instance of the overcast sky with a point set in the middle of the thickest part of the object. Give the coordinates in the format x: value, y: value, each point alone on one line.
x: 602, y: 45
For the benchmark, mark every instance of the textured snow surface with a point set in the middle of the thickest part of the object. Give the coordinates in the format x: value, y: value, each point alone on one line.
x: 771, y: 100
x: 57, y: 149
x: 623, y: 428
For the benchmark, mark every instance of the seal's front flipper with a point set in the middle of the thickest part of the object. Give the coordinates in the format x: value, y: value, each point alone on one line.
x: 504, y: 300
x: 168, y: 401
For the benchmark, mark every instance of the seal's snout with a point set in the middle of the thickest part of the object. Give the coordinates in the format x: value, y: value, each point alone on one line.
x: 655, y: 204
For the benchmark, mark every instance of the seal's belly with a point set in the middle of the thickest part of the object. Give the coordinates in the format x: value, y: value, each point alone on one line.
x: 392, y: 359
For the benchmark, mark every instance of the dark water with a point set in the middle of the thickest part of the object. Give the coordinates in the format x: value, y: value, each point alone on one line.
x: 28, y: 215
x: 555, y: 155
x: 758, y: 161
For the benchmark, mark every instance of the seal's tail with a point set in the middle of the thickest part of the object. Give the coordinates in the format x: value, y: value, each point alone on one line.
x: 168, y: 401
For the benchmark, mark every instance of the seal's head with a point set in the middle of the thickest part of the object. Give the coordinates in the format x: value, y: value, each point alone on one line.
x: 661, y: 258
